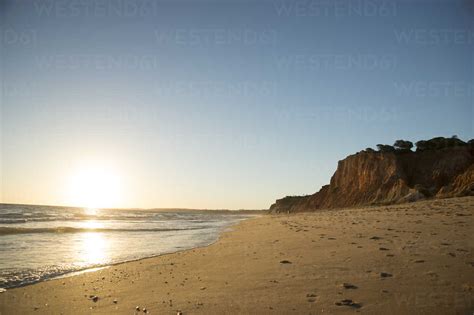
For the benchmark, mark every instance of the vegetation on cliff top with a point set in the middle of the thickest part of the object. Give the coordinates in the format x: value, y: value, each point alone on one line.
x: 436, y: 143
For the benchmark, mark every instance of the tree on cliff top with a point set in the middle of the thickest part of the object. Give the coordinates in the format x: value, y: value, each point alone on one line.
x: 403, y: 145
x: 385, y: 148
x: 439, y: 143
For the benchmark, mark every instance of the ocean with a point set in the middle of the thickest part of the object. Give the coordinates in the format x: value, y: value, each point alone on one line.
x: 42, y: 242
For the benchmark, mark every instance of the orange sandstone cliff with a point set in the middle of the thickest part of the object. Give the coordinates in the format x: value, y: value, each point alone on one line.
x: 369, y: 178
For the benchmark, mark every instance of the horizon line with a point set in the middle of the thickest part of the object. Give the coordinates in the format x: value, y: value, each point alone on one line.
x: 125, y: 208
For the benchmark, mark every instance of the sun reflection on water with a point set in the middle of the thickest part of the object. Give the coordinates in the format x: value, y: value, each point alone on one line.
x: 91, y: 211
x: 93, y: 248
x: 92, y: 224
x: 93, y: 245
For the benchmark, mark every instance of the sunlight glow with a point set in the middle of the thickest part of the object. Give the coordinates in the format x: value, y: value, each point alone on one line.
x: 91, y: 211
x: 93, y: 248
x: 94, y: 185
x: 91, y: 224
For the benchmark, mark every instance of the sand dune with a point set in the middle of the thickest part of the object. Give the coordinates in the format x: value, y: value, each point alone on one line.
x: 405, y: 259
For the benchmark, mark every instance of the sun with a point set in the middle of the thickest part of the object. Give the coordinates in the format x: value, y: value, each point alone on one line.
x: 94, y: 185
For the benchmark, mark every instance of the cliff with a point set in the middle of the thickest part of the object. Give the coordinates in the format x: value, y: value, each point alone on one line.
x: 369, y: 178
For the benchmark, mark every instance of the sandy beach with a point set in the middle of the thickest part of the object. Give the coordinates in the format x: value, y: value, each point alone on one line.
x: 404, y: 259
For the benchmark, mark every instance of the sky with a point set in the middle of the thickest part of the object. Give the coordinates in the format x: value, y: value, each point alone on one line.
x: 219, y: 104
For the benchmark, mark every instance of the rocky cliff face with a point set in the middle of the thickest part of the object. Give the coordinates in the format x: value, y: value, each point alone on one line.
x: 368, y: 178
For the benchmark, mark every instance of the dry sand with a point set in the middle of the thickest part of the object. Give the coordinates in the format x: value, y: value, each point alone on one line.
x: 425, y: 250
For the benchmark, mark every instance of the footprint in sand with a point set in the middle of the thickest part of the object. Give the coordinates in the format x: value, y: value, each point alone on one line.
x: 311, y: 297
x: 348, y: 286
x: 375, y: 238
x: 348, y: 302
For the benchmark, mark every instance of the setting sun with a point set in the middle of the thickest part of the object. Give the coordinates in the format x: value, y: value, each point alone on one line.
x: 94, y: 186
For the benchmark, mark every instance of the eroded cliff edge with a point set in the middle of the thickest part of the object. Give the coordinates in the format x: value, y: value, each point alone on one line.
x: 370, y: 177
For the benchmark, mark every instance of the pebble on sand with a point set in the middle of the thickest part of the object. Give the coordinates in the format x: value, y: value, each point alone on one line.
x: 285, y: 262
x: 385, y: 274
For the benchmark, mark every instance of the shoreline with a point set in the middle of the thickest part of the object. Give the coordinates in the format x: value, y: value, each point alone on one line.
x: 94, y: 269
x: 407, y: 258
x: 78, y: 272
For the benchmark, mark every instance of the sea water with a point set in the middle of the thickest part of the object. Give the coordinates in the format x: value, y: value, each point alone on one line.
x: 42, y: 242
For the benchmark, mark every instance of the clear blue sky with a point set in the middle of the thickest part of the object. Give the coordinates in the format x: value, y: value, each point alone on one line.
x: 221, y: 104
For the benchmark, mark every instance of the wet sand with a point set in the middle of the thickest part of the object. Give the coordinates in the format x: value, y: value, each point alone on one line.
x: 404, y: 259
